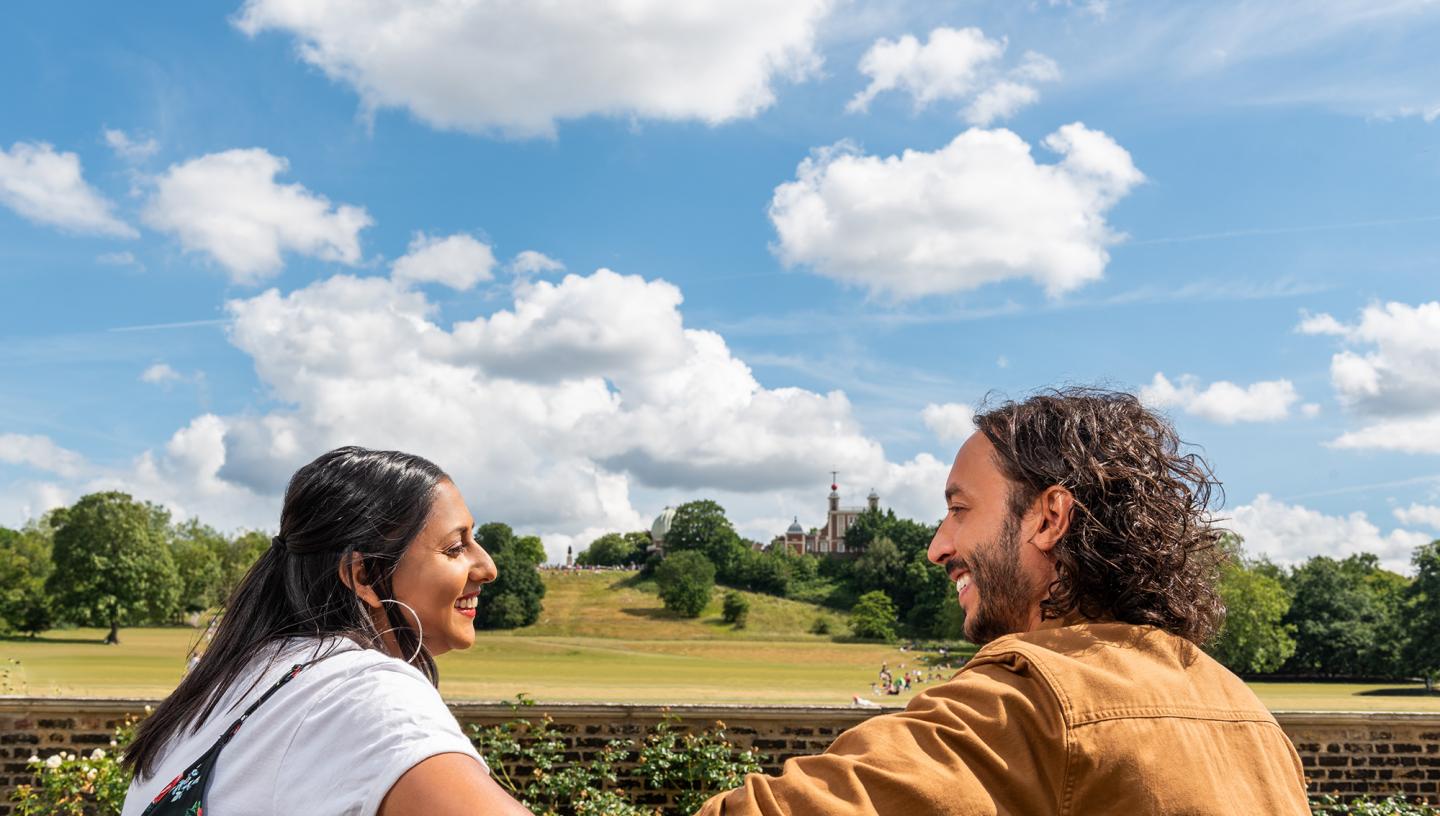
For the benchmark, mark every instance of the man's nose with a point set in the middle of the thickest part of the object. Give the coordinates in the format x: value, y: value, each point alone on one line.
x: 941, y: 548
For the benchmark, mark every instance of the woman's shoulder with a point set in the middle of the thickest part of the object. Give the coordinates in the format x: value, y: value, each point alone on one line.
x: 341, y: 663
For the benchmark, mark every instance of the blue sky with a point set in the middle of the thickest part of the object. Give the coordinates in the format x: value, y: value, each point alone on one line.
x: 233, y: 237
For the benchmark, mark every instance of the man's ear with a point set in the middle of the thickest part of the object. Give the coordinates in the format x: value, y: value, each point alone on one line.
x: 352, y: 574
x: 1053, y: 508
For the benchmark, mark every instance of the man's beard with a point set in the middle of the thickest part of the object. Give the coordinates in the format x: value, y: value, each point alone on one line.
x: 1004, y: 605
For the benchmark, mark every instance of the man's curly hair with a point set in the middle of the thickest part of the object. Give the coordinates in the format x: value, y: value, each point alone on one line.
x: 1140, y: 548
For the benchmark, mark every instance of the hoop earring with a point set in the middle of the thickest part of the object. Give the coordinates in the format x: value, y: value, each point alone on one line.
x: 419, y: 638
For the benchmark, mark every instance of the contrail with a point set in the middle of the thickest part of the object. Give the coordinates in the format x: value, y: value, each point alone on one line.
x: 1246, y: 233
x: 1364, y: 488
x: 182, y: 325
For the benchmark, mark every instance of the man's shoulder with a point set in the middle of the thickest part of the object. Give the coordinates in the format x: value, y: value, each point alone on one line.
x: 1103, y: 670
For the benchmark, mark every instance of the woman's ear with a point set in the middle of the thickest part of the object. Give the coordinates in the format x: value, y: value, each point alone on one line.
x: 352, y: 574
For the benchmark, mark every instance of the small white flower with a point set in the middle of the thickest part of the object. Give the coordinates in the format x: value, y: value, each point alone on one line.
x: 112, y: 743
x: 34, y: 758
x: 149, y: 709
x: 65, y: 755
x: 53, y: 762
x: 90, y: 774
x: 98, y: 753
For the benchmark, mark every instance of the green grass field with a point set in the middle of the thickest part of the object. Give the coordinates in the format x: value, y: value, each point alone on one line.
x: 603, y: 639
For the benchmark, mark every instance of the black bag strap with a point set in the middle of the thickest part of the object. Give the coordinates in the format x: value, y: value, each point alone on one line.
x: 185, y: 795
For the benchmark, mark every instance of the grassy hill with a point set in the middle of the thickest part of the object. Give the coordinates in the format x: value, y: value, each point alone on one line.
x: 617, y: 605
x: 603, y: 637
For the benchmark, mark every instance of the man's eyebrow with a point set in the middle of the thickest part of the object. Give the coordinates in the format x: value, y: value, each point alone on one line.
x: 953, y: 490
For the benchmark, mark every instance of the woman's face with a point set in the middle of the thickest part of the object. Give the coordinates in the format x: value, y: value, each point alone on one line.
x: 441, y: 574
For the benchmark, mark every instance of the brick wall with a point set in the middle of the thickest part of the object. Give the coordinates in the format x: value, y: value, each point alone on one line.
x: 1343, y: 753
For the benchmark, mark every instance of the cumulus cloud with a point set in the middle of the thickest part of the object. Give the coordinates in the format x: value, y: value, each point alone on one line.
x: 458, y: 261
x: 39, y: 452
x: 976, y: 211
x: 1290, y: 533
x: 129, y: 148
x: 1223, y: 401
x: 957, y: 65
x: 583, y: 405
x: 48, y: 187
x: 1388, y: 373
x: 517, y: 68
x: 229, y: 206
x: 1424, y: 515
x: 159, y: 373
x: 951, y: 422
x: 531, y: 262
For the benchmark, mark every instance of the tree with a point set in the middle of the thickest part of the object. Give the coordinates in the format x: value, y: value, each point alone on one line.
x: 516, y: 597
x: 735, y: 610
x: 614, y: 550
x: 531, y: 549
x: 873, y: 617
x: 1254, y: 638
x: 198, y: 551
x: 1344, y: 614
x: 25, y: 563
x: 703, y: 527
x: 1422, y: 652
x: 239, y: 556
x: 763, y: 572
x: 685, y: 579
x: 880, y: 567
x: 112, y: 565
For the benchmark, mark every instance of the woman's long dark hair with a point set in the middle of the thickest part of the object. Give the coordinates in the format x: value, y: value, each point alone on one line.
x: 350, y: 500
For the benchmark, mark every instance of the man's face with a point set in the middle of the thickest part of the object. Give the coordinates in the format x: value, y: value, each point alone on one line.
x: 1000, y: 578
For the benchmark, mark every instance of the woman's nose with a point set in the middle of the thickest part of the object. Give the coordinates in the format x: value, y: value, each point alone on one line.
x: 484, y: 571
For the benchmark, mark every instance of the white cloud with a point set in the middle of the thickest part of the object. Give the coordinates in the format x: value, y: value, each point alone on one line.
x: 1290, y: 533
x: 128, y: 148
x: 229, y: 206
x: 160, y: 373
x: 976, y: 211
x: 49, y: 188
x: 517, y: 68
x: 1427, y: 515
x: 1222, y: 401
x: 119, y: 259
x: 1389, y: 374
x: 951, y: 422
x: 531, y: 262
x: 584, y: 405
x: 458, y: 261
x: 41, y: 453
x: 1310, y: 409
x: 954, y: 64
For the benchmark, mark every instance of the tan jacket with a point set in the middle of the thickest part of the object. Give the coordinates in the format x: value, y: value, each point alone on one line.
x: 1093, y: 718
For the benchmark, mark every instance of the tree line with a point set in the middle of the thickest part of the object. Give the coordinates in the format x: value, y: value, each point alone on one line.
x: 111, y: 561
x: 1332, y: 617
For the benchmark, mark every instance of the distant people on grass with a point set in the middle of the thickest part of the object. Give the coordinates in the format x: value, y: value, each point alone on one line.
x: 326, y: 655
x: 1080, y: 540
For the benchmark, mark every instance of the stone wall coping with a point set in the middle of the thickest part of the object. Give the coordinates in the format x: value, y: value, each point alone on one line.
x: 80, y: 705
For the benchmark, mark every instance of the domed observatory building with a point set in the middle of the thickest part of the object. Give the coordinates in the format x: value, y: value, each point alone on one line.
x: 829, y: 539
x: 659, y: 529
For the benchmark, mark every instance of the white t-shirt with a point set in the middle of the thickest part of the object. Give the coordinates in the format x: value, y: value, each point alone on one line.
x: 332, y: 740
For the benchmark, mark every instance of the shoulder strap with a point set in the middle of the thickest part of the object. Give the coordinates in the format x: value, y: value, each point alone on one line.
x: 235, y: 726
x: 185, y: 795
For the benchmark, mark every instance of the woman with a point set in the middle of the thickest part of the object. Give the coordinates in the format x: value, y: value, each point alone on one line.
x: 325, y: 654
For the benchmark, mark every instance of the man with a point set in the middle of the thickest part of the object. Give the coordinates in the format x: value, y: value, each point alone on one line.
x: 1079, y: 540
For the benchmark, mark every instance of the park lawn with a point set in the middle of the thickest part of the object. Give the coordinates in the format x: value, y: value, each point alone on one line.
x: 603, y: 637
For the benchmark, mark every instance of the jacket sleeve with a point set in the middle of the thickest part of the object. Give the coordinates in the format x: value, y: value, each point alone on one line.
x: 992, y: 740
